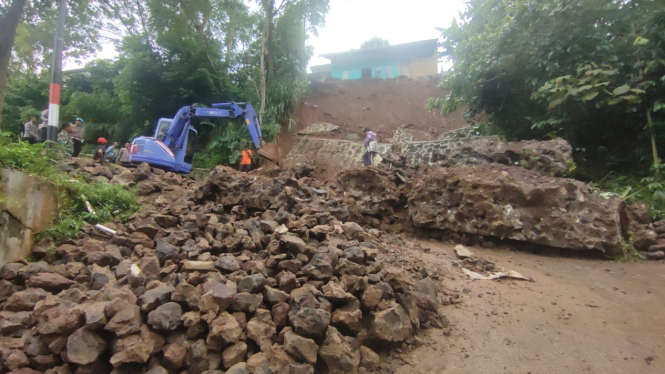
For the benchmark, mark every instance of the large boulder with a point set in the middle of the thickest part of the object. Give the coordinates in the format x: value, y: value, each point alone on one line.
x: 339, y: 352
x: 84, y: 347
x: 166, y: 317
x: 391, y: 325
x: 515, y: 203
x: 309, y: 312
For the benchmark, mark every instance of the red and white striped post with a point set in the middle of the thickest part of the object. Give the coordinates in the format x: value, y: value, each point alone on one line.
x: 56, y: 76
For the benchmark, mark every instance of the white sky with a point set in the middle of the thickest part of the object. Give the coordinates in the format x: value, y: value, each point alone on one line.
x: 351, y: 22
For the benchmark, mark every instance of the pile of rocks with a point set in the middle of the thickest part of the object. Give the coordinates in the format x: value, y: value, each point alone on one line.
x: 240, y: 273
x: 552, y: 157
x: 650, y: 240
x: 147, y: 179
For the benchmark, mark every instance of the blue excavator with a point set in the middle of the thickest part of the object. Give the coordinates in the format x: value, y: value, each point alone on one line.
x: 174, y: 143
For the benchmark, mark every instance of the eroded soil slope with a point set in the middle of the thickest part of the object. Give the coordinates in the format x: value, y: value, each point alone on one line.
x: 382, y: 105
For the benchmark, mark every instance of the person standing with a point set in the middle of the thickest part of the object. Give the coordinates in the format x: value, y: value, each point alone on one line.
x: 246, y: 159
x: 30, y: 132
x: 111, y: 152
x: 123, y: 155
x: 65, y: 139
x: 99, y: 156
x: 371, y: 147
x: 43, y: 126
x: 79, y: 133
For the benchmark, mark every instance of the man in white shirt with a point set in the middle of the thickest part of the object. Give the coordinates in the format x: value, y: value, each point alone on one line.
x: 30, y: 133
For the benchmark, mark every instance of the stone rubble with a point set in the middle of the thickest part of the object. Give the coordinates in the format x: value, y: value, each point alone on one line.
x: 510, y: 202
x: 236, y: 274
x: 552, y: 157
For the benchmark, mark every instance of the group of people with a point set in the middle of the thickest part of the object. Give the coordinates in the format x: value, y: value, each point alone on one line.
x: 71, y: 141
x: 112, y: 153
x: 33, y: 133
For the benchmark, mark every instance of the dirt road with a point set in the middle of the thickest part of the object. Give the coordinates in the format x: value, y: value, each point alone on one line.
x: 578, y: 316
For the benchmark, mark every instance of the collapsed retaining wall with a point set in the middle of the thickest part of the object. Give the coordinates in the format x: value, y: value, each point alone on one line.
x: 339, y: 154
x: 348, y: 154
x: 427, y: 152
x: 27, y: 205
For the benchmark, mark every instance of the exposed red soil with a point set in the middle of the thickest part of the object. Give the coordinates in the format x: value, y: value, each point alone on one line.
x: 384, y: 105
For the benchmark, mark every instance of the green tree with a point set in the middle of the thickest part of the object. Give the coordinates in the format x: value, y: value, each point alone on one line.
x: 375, y: 42
x: 10, y: 16
x: 27, y: 30
x: 181, y: 52
x: 528, y: 66
x: 629, y: 78
x: 304, y: 16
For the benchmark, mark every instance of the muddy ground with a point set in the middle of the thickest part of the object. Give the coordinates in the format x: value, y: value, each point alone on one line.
x: 578, y: 316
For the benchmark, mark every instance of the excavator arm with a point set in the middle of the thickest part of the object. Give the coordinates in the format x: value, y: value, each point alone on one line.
x: 268, y: 151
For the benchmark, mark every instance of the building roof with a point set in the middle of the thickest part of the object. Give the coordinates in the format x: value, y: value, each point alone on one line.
x: 406, y: 50
x: 327, y: 68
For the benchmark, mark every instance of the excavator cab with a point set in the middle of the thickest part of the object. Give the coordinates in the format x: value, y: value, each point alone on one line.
x: 157, y: 154
x: 162, y: 128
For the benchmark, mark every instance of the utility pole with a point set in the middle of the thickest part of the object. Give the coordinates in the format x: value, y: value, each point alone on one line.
x: 56, y: 76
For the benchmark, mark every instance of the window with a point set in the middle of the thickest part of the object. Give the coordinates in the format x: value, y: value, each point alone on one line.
x: 377, y: 73
x: 366, y: 73
x: 345, y: 74
x: 162, y: 129
x: 191, y: 145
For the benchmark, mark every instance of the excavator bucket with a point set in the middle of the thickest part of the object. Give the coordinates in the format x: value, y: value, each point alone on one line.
x: 272, y: 152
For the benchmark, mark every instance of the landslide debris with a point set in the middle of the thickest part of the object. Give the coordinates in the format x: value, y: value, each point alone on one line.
x: 553, y: 157
x: 515, y: 203
x: 238, y: 273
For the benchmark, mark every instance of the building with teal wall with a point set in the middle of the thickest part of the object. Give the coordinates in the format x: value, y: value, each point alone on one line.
x: 410, y: 59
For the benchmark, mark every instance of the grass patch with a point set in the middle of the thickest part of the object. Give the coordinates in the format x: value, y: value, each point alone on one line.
x: 110, y: 201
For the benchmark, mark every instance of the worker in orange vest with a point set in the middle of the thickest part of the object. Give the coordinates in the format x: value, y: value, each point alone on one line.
x: 246, y: 159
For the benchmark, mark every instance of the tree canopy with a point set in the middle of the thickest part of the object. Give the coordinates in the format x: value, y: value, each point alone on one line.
x: 590, y: 71
x: 173, y: 53
x: 375, y: 42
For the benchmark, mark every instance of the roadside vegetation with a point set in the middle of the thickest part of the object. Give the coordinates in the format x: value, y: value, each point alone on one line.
x: 110, y: 201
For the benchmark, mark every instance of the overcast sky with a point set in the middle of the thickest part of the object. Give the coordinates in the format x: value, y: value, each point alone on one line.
x: 351, y: 22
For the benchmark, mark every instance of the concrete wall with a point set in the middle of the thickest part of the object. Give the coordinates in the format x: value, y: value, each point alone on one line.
x: 27, y: 204
x: 355, y: 70
x: 427, y: 152
x: 412, y: 67
x: 421, y: 66
x: 339, y: 154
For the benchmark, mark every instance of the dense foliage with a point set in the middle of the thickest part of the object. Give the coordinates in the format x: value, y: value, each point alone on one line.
x: 590, y: 71
x: 181, y: 52
x: 374, y: 42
